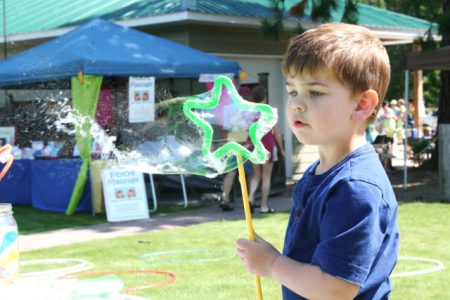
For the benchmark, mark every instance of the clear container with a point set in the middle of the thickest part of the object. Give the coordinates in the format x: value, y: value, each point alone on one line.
x: 9, y: 250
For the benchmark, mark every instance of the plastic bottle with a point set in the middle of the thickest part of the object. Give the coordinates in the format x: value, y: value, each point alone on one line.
x: 9, y: 251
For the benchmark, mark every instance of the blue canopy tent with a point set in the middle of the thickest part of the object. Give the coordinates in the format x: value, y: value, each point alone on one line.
x: 97, y: 49
x: 106, y: 49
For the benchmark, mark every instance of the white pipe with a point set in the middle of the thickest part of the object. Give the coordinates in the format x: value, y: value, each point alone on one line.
x: 184, y: 191
x: 405, y: 143
x: 155, y: 201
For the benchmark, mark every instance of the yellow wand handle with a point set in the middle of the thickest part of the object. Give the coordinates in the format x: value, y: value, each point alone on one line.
x: 248, y: 214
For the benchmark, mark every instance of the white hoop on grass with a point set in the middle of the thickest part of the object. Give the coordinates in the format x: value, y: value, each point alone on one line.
x: 81, y: 266
x: 438, y: 266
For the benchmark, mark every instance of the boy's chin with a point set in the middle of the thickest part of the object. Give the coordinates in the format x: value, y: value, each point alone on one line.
x: 305, y: 140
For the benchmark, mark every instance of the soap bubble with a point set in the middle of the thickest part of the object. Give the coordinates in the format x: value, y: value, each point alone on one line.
x: 198, y: 134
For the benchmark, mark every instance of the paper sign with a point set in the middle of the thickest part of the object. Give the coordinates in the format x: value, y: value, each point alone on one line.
x: 141, y: 99
x: 7, y: 135
x: 125, y: 195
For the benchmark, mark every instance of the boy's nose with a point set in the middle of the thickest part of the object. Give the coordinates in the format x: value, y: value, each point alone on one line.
x: 299, y: 108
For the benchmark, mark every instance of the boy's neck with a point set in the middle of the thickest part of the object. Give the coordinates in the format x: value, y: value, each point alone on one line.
x: 330, y: 155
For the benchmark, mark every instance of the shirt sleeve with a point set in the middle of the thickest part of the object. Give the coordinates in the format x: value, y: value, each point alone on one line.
x: 352, y: 229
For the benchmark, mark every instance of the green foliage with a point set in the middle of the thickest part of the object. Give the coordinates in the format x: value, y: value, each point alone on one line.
x: 350, y: 13
x: 397, y: 54
x: 321, y: 10
x: 429, y: 10
x: 272, y: 27
x: 444, y: 23
x: 397, y: 57
x: 431, y: 87
x: 377, y: 3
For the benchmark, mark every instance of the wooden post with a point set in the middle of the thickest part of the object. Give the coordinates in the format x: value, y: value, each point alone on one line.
x: 419, y: 106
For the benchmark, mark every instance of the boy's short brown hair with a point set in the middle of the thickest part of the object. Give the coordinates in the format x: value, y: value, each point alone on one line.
x: 352, y: 53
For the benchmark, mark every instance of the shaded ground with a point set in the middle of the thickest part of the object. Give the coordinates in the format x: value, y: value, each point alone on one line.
x: 423, y: 185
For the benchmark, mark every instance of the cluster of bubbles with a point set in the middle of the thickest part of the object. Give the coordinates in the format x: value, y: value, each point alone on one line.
x: 172, y: 143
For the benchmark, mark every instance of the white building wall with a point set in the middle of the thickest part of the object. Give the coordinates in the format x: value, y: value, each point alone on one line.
x: 254, y: 64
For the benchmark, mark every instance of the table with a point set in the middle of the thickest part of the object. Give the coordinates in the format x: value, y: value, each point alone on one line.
x: 44, y: 184
x: 15, y: 187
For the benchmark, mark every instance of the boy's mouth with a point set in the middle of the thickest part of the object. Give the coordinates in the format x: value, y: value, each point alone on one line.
x: 299, y: 124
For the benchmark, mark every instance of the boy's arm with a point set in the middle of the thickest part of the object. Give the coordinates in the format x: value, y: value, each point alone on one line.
x: 310, y: 281
x: 307, y: 280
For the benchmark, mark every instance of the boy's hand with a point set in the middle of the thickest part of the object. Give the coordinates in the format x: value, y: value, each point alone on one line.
x: 258, y: 256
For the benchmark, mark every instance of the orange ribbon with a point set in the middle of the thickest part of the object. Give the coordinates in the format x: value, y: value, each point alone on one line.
x: 5, y: 158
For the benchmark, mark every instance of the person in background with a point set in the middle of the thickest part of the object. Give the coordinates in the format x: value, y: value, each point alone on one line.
x: 388, y: 120
x: 394, y: 105
x: 411, y: 112
x: 227, y: 185
x: 401, y: 106
x: 400, y: 120
x: 257, y: 172
x: 342, y: 238
x: 264, y: 171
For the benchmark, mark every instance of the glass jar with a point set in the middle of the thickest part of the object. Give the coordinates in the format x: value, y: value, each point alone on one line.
x: 9, y: 250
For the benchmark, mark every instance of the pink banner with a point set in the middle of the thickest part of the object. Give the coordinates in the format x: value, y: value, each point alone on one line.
x: 104, y: 115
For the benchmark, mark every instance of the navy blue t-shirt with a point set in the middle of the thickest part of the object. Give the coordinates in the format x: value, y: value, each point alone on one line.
x: 345, y: 222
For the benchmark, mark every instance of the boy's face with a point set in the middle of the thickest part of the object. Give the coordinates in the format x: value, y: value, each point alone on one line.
x: 319, y: 109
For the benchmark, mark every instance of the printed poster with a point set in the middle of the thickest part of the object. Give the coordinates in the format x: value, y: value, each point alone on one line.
x: 141, y: 99
x: 125, y: 195
x: 7, y: 135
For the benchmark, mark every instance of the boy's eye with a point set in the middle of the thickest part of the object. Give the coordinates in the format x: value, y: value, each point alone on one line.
x: 293, y: 93
x: 315, y: 93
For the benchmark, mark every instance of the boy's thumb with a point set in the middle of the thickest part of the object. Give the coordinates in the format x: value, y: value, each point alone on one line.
x: 242, y: 243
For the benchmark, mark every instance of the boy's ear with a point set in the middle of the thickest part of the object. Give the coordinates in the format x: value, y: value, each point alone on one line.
x: 366, y: 103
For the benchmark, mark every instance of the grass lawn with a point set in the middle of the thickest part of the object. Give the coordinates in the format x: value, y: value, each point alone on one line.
x: 30, y: 220
x: 424, y: 229
x: 424, y: 233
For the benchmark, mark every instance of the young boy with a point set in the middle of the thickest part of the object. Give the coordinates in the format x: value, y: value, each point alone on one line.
x: 342, y: 237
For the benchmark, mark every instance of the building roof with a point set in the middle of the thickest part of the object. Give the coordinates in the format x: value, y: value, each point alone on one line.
x: 31, y: 19
x: 438, y: 59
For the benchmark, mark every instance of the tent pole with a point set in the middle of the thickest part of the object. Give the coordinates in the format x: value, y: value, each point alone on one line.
x: 405, y: 142
x: 5, y: 55
x: 5, y: 48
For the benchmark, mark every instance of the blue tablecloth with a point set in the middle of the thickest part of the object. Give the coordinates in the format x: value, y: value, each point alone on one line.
x: 15, y: 187
x: 44, y: 184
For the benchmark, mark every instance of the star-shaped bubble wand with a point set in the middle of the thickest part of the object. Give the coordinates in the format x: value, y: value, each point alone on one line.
x: 196, y: 110
x: 5, y: 158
